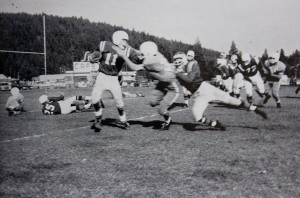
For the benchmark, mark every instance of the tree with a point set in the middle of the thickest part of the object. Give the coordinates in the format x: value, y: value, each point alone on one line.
x: 233, y: 49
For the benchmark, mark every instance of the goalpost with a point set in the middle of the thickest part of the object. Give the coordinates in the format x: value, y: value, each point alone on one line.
x: 38, y: 53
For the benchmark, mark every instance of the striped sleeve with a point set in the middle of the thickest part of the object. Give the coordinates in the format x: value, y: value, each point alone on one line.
x: 101, y: 46
x: 127, y: 51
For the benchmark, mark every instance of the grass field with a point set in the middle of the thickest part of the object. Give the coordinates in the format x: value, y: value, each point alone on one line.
x: 60, y: 156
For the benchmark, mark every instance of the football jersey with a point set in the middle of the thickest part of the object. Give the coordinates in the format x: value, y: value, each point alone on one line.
x: 159, y: 68
x: 51, y: 107
x: 249, y: 70
x: 111, y: 63
x: 277, y: 68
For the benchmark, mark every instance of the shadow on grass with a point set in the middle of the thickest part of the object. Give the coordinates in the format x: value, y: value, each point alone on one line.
x: 156, y: 124
x: 291, y: 97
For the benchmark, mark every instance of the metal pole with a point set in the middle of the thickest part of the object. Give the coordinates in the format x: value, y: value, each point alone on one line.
x: 45, y: 55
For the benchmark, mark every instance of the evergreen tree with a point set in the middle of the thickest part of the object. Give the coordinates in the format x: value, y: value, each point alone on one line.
x: 233, y: 49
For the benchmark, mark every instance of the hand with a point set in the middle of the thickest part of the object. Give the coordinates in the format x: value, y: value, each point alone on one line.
x: 119, y: 51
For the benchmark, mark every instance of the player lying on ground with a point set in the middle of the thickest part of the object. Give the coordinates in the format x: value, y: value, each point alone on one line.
x: 203, y: 93
x: 15, y: 103
x: 166, y: 90
x: 59, y: 105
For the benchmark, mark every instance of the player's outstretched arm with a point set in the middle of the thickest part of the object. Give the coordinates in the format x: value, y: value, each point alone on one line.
x: 130, y: 64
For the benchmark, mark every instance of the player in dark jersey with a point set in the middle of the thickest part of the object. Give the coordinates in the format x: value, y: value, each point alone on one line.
x: 166, y: 91
x: 250, y: 70
x: 110, y: 65
x: 203, y: 93
x: 59, y: 105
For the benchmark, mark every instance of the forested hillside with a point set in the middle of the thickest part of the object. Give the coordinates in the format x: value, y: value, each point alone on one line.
x: 67, y: 40
x: 69, y: 37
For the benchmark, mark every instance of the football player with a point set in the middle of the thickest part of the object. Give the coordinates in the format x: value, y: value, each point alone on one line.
x: 110, y: 65
x: 225, y: 75
x: 15, y: 103
x: 59, y: 105
x: 238, y: 78
x: 250, y: 70
x: 203, y: 93
x: 181, y: 63
x: 166, y: 91
x: 274, y: 72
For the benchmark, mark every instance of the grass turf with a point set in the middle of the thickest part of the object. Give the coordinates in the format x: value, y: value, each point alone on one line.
x: 60, y: 156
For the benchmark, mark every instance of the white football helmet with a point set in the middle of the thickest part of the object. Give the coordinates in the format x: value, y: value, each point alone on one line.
x: 149, y: 48
x: 179, y: 59
x: 234, y: 58
x: 190, y: 55
x: 119, y: 36
x: 223, y: 55
x: 246, y: 58
x: 15, y: 91
x: 274, y: 58
x: 43, y: 98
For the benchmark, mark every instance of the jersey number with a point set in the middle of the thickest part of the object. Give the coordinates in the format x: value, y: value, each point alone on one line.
x: 49, y: 109
x: 111, y: 62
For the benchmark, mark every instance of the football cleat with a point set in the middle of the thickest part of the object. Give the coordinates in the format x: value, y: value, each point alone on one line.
x: 123, y: 125
x: 218, y: 125
x: 261, y: 113
x: 266, y: 99
x: 278, y: 105
x: 165, y: 126
x: 10, y: 112
x: 96, y: 126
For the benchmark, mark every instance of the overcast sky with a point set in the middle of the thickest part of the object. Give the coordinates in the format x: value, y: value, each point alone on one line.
x: 254, y: 25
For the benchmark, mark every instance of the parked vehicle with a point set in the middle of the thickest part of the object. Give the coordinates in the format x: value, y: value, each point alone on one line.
x: 5, y: 86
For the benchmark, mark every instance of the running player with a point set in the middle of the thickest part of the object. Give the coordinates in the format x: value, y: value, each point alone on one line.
x: 166, y: 91
x: 274, y: 72
x: 110, y: 65
x: 250, y: 70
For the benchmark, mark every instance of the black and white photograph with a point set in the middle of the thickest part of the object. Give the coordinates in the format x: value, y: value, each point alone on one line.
x: 144, y: 99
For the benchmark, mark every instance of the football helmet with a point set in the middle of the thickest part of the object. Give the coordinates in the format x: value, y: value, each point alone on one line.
x: 274, y: 58
x: 15, y: 91
x: 149, y: 48
x: 119, y: 36
x: 223, y: 55
x: 43, y: 98
x: 234, y: 58
x: 190, y: 55
x: 180, y: 59
x: 246, y: 58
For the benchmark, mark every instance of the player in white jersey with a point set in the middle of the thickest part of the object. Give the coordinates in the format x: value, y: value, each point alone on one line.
x: 166, y: 91
x: 238, y: 78
x: 274, y: 70
x: 15, y: 103
x: 204, y: 93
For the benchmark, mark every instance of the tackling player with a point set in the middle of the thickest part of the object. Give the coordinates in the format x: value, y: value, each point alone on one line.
x: 203, y: 93
x: 166, y: 91
x: 57, y: 105
x: 274, y: 70
x: 110, y: 65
